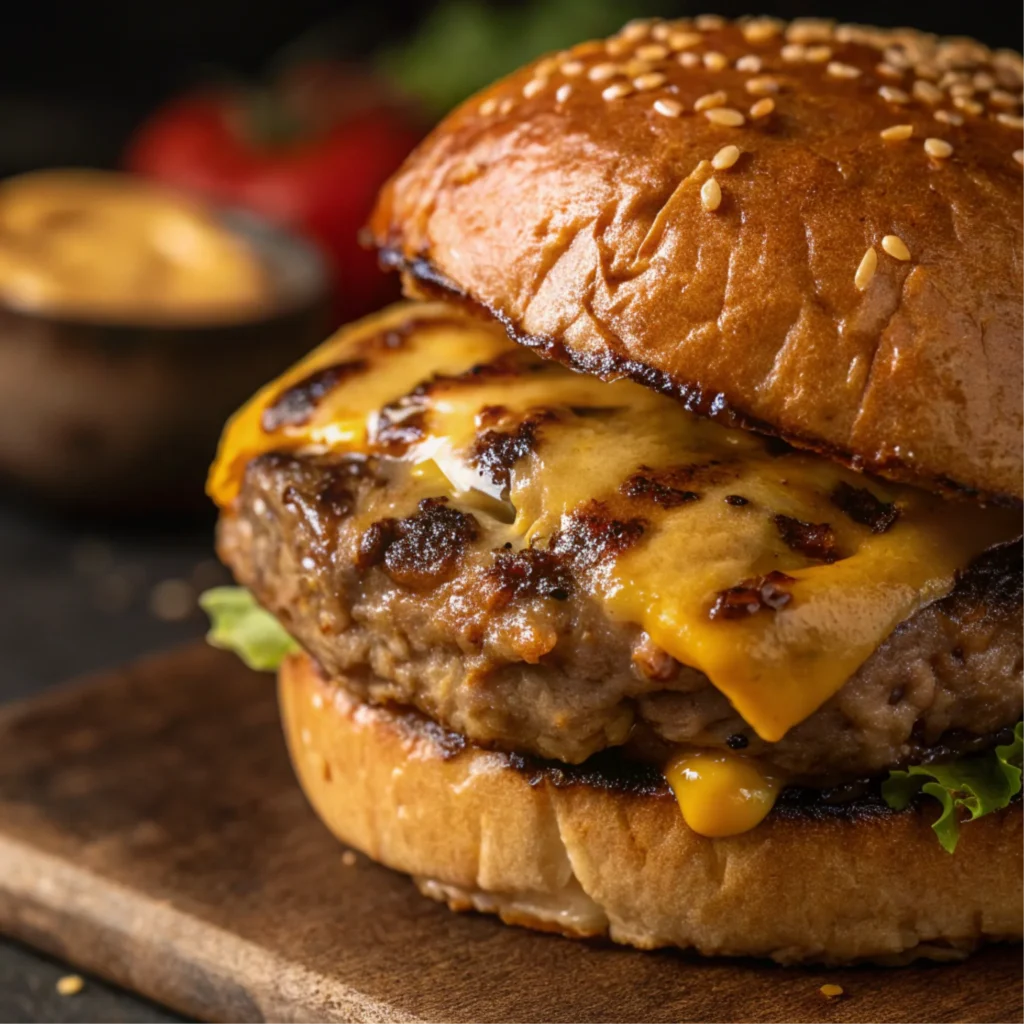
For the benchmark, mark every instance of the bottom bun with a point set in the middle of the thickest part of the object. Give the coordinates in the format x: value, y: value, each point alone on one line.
x: 604, y: 852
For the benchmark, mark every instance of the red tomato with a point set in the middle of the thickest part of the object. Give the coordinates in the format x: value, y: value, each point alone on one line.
x: 310, y: 155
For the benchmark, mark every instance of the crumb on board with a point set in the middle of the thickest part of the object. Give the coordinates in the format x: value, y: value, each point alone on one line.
x: 348, y: 858
x: 70, y: 985
x: 831, y: 991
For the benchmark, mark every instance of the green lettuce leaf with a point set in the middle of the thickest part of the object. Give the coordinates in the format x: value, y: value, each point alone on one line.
x: 967, y: 788
x: 239, y: 624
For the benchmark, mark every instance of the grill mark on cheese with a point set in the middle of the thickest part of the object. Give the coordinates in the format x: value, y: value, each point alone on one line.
x: 295, y: 406
x: 657, y: 487
x: 421, y: 550
x: 751, y: 596
x: 592, y: 535
x: 815, y: 540
x: 863, y: 507
x: 496, y: 452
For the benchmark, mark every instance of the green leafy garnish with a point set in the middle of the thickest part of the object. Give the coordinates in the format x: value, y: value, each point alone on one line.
x: 974, y: 786
x: 464, y: 45
x: 239, y: 624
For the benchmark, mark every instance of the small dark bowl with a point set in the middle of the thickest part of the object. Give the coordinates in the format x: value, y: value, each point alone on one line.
x: 122, y: 420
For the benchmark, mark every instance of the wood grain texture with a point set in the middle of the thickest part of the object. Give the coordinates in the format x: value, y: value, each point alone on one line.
x: 151, y: 831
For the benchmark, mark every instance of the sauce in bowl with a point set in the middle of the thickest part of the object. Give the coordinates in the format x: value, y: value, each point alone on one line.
x: 106, y: 247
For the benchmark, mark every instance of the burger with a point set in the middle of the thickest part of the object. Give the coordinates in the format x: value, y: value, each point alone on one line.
x: 654, y: 572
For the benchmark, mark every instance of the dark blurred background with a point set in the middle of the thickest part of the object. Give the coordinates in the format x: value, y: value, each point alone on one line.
x: 76, y: 77
x: 85, y: 588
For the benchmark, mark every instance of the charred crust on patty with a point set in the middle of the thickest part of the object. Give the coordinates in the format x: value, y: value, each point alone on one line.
x: 295, y: 405
x: 860, y: 505
x: 421, y: 550
x: 815, y: 540
x: 751, y: 596
x: 990, y: 587
x: 531, y: 572
x: 496, y: 452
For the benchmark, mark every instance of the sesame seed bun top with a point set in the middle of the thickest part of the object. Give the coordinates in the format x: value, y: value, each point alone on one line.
x: 807, y: 229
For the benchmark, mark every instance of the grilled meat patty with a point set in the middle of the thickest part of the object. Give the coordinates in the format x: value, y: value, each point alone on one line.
x: 411, y: 601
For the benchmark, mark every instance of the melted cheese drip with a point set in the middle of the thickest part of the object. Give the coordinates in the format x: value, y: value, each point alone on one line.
x: 776, y: 667
x: 98, y: 245
x: 720, y: 794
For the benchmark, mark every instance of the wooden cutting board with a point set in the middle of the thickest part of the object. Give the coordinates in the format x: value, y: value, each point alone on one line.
x: 151, y: 832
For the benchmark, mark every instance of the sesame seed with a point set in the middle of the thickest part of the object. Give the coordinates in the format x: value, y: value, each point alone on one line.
x: 635, y: 68
x: 967, y: 105
x: 617, y: 91
x: 725, y: 116
x: 762, y: 108
x: 634, y: 30
x: 688, y: 59
x: 563, y: 93
x: 952, y: 78
x: 545, y: 68
x: 506, y: 105
x: 572, y: 68
x: 888, y: 71
x: 896, y: 247
x: 927, y: 92
x: 809, y: 30
x: 751, y: 63
x: 866, y: 269
x: 488, y: 107
x: 617, y: 47
x: 938, y: 148
x: 760, y: 30
x: 1018, y: 155
x: 715, y: 61
x: 652, y: 51
x: 897, y: 132
x: 983, y: 81
x: 602, y: 72
x: 711, y: 195
x: 710, y: 100
x: 837, y: 69
x: 895, y: 56
x: 70, y: 985
x: 761, y: 86
x: 1010, y: 121
x: 819, y: 54
x: 684, y: 40
x: 887, y: 92
x: 661, y: 31
x: 948, y: 117
x: 668, y: 108
x: 961, y: 89
x: 534, y: 86
x: 709, y: 22
x: 725, y: 158
x: 652, y: 80
x: 831, y: 991
x: 1002, y: 98
x: 349, y: 859
x: 793, y: 52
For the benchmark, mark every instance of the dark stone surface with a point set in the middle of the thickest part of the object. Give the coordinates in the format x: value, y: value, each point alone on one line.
x: 74, y: 601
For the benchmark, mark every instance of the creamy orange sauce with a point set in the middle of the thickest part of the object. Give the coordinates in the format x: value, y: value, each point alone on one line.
x: 113, y: 248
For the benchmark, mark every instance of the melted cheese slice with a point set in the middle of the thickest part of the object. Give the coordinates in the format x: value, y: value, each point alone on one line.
x: 775, y: 666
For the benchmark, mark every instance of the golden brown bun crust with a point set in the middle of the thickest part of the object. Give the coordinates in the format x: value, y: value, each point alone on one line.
x: 577, y: 219
x: 613, y: 858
